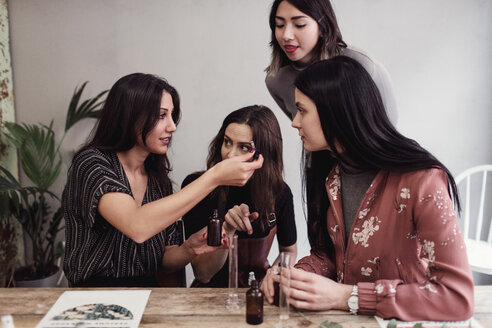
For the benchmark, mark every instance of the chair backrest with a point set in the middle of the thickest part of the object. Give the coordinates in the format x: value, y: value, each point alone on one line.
x: 476, y: 199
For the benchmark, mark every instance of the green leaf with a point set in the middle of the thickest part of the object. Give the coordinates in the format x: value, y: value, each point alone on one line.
x: 329, y: 324
x: 88, y: 109
x: 392, y: 324
x: 16, y: 133
x: 417, y: 325
x: 40, y: 158
x: 60, y: 249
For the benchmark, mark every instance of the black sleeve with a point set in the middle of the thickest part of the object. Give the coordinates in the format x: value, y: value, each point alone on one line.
x: 90, y: 176
x: 286, y: 222
x: 198, y: 216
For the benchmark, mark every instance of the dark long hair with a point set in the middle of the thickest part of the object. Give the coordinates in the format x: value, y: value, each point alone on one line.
x: 132, y: 107
x: 352, y: 114
x: 330, y: 43
x: 266, y: 182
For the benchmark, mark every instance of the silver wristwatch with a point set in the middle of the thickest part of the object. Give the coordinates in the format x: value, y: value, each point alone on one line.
x: 353, y: 300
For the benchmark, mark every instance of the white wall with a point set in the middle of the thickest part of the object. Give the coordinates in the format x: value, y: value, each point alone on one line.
x: 214, y: 52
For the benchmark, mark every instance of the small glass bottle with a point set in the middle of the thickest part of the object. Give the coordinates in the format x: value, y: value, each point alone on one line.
x: 254, y: 304
x: 214, y: 230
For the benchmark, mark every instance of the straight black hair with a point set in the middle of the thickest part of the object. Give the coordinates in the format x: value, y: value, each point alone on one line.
x: 352, y: 115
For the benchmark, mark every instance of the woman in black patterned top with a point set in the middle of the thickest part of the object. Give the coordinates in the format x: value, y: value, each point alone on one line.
x: 118, y: 205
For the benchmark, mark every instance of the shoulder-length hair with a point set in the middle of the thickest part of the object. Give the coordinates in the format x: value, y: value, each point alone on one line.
x: 267, y: 182
x: 330, y: 43
x: 352, y: 115
x: 132, y: 109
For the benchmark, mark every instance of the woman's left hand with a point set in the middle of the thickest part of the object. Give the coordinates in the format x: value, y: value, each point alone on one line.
x: 311, y: 291
x: 197, y: 242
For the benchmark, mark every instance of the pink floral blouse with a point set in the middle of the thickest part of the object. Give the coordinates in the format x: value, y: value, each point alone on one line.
x: 406, y: 252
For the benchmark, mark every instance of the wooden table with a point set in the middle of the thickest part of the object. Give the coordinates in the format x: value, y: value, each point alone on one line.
x: 201, y: 308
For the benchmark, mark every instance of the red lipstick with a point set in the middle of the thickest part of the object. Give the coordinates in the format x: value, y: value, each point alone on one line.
x: 290, y: 49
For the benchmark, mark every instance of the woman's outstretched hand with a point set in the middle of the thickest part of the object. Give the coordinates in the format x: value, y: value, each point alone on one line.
x: 311, y: 291
x: 198, y: 242
x: 236, y: 171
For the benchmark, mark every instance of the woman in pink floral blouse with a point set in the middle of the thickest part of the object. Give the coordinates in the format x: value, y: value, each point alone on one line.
x: 383, y: 230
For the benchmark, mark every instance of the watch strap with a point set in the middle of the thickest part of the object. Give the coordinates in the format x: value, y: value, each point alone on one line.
x: 353, y: 300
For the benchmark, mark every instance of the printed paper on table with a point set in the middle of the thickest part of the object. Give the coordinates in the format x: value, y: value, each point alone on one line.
x: 104, y: 308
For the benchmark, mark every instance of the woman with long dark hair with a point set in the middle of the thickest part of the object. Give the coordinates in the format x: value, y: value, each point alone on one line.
x: 304, y: 32
x: 118, y: 203
x: 383, y: 231
x: 257, y: 211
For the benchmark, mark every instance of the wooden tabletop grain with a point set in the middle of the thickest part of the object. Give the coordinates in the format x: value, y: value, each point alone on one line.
x: 202, y: 308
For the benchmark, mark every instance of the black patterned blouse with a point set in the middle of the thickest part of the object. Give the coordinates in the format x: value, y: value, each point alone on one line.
x: 95, y: 250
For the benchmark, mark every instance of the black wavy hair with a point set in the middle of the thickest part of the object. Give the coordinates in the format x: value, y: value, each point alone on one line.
x: 132, y: 107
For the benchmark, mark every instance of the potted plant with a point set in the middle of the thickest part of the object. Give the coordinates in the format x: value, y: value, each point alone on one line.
x: 41, y: 160
x: 8, y: 247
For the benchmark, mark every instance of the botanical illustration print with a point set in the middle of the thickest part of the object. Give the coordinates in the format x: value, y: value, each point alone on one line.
x: 404, y: 194
x: 412, y: 235
x: 369, y: 227
x: 401, y: 208
x: 380, y: 289
x: 340, y: 276
x: 428, y: 251
x: 441, y: 200
x: 451, y: 239
x: 366, y: 271
x: 335, y: 185
x: 429, y: 287
x: 96, y: 312
x: 363, y: 213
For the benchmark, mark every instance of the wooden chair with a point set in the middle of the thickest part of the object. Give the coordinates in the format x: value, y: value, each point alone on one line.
x: 476, y: 217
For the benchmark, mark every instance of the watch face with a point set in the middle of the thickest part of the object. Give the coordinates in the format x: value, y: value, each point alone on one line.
x: 353, y: 302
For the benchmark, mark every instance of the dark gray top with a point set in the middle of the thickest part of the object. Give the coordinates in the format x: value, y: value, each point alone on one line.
x: 281, y: 85
x: 354, y: 186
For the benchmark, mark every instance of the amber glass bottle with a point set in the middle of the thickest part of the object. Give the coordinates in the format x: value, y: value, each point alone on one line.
x: 214, y: 230
x: 254, y: 304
